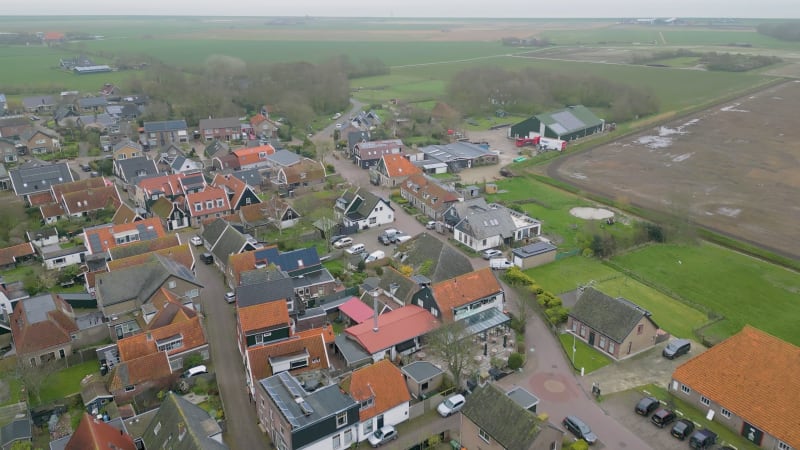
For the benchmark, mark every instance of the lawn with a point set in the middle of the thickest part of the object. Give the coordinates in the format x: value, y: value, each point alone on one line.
x: 586, y: 357
x: 567, y: 274
x: 19, y: 273
x: 742, y: 289
x: 66, y: 382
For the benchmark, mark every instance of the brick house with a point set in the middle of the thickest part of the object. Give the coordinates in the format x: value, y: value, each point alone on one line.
x: 43, y: 329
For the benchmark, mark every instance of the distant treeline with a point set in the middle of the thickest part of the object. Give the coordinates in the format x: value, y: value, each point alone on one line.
x: 525, y: 42
x: 485, y: 89
x: 724, y: 62
x: 785, y: 31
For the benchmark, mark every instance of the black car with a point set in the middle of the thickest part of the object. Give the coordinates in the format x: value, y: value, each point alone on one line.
x: 702, y: 439
x: 86, y: 168
x: 647, y: 405
x: 682, y: 429
x: 662, y: 417
x: 581, y: 431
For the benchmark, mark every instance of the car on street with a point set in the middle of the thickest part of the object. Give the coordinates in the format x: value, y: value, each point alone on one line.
x: 500, y: 263
x: 382, y: 436
x: 230, y: 297
x: 343, y: 242
x: 676, y: 347
x: 662, y: 417
x: 207, y: 258
x: 577, y: 427
x: 647, y: 405
x: 682, y: 429
x: 451, y: 405
x: 430, y: 225
x: 491, y: 253
x: 197, y: 241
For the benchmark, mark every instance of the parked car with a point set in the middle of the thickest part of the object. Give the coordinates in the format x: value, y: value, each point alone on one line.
x: 702, y: 439
x: 343, y: 242
x: 451, y: 405
x: 86, y: 168
x: 374, y: 256
x: 336, y: 237
x: 194, y: 371
x: 682, y: 429
x: 197, y: 241
x: 207, y: 258
x: 382, y: 436
x: 430, y: 225
x: 230, y: 297
x: 577, y: 427
x: 500, y: 263
x: 491, y: 253
x: 356, y: 249
x: 647, y: 405
x: 676, y: 347
x: 662, y: 417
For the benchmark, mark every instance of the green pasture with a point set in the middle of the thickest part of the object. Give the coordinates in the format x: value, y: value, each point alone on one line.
x: 723, y: 38
x: 742, y: 289
x: 609, y: 35
x: 682, y: 61
x: 567, y: 274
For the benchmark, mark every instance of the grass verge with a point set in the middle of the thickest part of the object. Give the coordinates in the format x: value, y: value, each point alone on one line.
x: 586, y: 357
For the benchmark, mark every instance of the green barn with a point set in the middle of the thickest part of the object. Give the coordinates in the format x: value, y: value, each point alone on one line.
x: 567, y: 124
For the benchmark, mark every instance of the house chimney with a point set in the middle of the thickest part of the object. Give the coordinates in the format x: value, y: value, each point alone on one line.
x: 374, y: 293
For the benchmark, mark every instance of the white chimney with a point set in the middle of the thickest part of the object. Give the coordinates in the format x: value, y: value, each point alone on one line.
x: 375, y: 293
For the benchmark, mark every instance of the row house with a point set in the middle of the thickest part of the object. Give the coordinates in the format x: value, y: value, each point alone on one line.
x: 428, y: 196
x: 209, y: 203
x: 367, y: 154
x: 163, y: 133
x: 223, y: 128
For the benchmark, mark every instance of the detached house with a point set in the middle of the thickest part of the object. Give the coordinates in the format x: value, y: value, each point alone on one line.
x: 616, y: 326
x: 274, y: 212
x: 392, y: 170
x: 382, y: 395
x: 40, y: 140
x: 746, y: 383
x: 159, y: 134
x: 43, y: 329
x: 427, y: 196
x: 208, y: 203
x: 367, y: 154
x: 129, y: 169
x: 39, y: 104
x: 392, y: 333
x: 482, y: 227
x: 127, y: 149
x: 224, y: 129
x: 363, y: 209
x: 475, y: 299
x: 79, y: 198
x: 326, y: 419
x: 306, y: 172
x: 253, y: 157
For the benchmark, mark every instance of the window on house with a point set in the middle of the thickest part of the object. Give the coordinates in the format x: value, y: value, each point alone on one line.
x: 337, y: 441
x: 130, y: 388
x: 209, y: 204
x: 602, y: 343
x: 685, y: 389
x: 341, y: 420
x: 348, y: 437
x: 368, y: 403
x: 198, y: 206
x: 423, y: 386
x: 705, y: 401
x: 171, y: 344
x: 583, y: 331
x: 553, y: 446
x: 725, y: 413
x: 783, y: 446
x: 484, y: 435
x: 368, y: 426
x: 59, y: 260
x: 373, y: 220
x: 220, y: 203
x: 640, y: 328
x: 484, y: 242
x: 434, y: 312
x: 611, y: 347
x: 247, y: 201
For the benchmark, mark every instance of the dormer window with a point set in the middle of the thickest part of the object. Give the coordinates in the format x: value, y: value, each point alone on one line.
x: 368, y: 403
x: 219, y: 203
x: 209, y: 204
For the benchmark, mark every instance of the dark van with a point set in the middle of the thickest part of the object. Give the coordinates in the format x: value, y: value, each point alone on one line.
x: 207, y: 258
x: 677, y: 348
x: 702, y: 439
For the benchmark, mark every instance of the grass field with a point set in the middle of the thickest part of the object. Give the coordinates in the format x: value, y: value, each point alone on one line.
x: 567, y: 274
x: 742, y: 289
x: 66, y: 382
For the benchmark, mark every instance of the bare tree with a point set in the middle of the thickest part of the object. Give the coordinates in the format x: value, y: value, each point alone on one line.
x: 34, y: 377
x: 452, y: 342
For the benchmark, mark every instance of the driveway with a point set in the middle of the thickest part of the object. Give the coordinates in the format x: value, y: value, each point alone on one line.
x: 242, y: 431
x: 620, y: 407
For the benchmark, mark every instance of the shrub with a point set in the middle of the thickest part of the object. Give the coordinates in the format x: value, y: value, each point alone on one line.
x: 516, y: 277
x: 192, y: 360
x: 515, y: 361
x: 556, y: 315
x: 379, y: 271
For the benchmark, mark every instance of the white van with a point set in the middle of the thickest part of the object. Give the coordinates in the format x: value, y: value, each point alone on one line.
x: 500, y: 263
x: 356, y: 249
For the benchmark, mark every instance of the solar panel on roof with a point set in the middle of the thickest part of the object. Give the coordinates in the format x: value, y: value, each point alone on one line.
x: 568, y: 120
x: 558, y: 129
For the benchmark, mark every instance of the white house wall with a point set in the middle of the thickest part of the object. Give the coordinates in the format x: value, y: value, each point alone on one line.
x: 394, y: 416
x: 69, y: 260
x: 326, y: 443
x: 497, y: 303
x: 478, y: 245
x: 382, y: 217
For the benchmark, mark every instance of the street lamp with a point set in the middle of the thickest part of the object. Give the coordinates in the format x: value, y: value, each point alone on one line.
x: 573, y: 346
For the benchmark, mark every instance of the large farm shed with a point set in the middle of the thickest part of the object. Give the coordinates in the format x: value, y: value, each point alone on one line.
x: 566, y: 124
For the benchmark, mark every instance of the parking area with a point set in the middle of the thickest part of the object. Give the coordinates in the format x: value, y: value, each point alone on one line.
x: 620, y: 407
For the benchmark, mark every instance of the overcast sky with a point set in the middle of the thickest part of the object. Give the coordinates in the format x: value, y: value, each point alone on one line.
x: 412, y: 8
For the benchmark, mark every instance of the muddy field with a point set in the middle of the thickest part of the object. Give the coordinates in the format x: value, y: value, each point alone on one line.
x: 734, y: 168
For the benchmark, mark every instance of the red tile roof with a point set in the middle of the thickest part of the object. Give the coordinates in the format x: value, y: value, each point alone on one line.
x: 94, y: 434
x: 399, y: 166
x: 257, y: 119
x: 263, y: 316
x: 51, y: 210
x: 54, y: 330
x: 168, y: 184
x: 394, y: 327
x: 106, y: 233
x: 40, y: 198
x: 241, y: 262
x: 356, y: 310
x: 428, y: 191
x: 463, y: 290
x: 124, y: 214
x: 261, y: 368
x: 143, y: 344
x: 211, y: 194
x: 9, y: 255
x: 232, y: 185
x: 54, y: 36
x: 253, y: 155
x: 326, y: 331
x: 146, y: 368
x: 383, y: 382
x: 753, y: 375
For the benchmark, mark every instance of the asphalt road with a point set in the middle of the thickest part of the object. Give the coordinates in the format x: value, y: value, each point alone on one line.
x: 242, y: 431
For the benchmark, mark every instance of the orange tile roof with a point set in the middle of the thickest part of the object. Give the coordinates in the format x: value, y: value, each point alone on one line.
x: 232, y: 185
x: 140, y: 345
x: 313, y: 170
x: 381, y: 381
x: 241, y: 263
x: 40, y: 198
x: 399, y: 166
x: 753, y: 375
x: 326, y: 331
x: 211, y: 194
x: 91, y: 199
x: 257, y: 119
x: 148, y: 367
x: 9, y: 255
x: 263, y: 316
x: 181, y: 254
x: 95, y: 434
x: 170, y: 311
x: 250, y: 155
x: 464, y: 289
x: 428, y: 191
x: 54, y: 330
x: 394, y: 327
x: 168, y: 184
x: 260, y: 367
x: 106, y: 233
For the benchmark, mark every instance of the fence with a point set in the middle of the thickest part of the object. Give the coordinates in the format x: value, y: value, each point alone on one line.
x: 568, y: 254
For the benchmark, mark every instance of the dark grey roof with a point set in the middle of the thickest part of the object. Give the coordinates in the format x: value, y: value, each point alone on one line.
x: 284, y: 390
x: 491, y: 410
x: 614, y: 317
x: 355, y: 137
x: 137, y: 425
x: 222, y: 122
x: 421, y: 371
x: 398, y: 285
x: 127, y: 143
x: 537, y: 248
x: 483, y: 224
x: 38, y: 177
x: 17, y: 430
x: 313, y: 278
x: 523, y: 397
x: 359, y: 203
x: 177, y: 415
x: 251, y: 177
x: 231, y: 242
x: 284, y: 158
x: 447, y: 261
x: 92, y: 102
x: 136, y: 167
x: 352, y: 352
x: 263, y: 286
x: 139, y: 282
x: 213, y: 231
x: 167, y: 125
x: 454, y: 152
x: 215, y: 147
x: 101, y: 119
x: 41, y: 100
x: 36, y: 308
